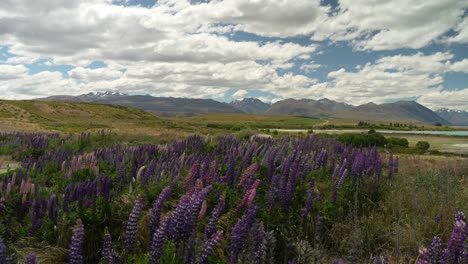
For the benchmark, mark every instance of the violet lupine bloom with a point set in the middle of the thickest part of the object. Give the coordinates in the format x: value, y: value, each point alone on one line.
x: 178, y: 219
x: 390, y: 166
x: 319, y: 226
x: 338, y: 184
x: 423, y: 257
x: 395, y: 165
x: 435, y: 251
x: 52, y: 208
x: 209, y: 246
x: 157, y: 208
x: 106, y: 253
x: 337, y: 261
x: 272, y: 192
x: 158, y: 240
x: 457, y: 238
x: 239, y: 233
x: 310, y: 195
x: 3, y: 251
x: 76, y: 244
x: 31, y: 258
x: 213, y: 221
x: 130, y: 231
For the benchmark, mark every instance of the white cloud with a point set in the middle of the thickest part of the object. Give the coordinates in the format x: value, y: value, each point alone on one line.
x: 388, y: 25
x: 389, y: 78
x: 446, y: 99
x: 9, y: 72
x: 462, y: 32
x: 239, y: 94
x: 179, y: 49
x: 88, y: 75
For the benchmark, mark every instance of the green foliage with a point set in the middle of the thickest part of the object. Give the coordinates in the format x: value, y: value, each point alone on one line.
x: 423, y: 145
x: 363, y: 140
x: 393, y: 142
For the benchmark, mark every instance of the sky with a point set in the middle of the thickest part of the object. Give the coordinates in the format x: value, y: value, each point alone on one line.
x: 353, y: 51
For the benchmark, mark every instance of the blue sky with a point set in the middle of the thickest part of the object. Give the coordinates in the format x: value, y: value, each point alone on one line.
x: 350, y: 51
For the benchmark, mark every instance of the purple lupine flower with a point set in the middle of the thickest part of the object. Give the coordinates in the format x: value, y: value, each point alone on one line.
x: 272, y: 192
x: 31, y: 258
x: 52, y: 208
x: 76, y: 244
x: 457, y: 238
x: 196, y: 203
x: 158, y: 240
x: 319, y: 226
x: 209, y: 246
x: 230, y: 173
x: 310, y: 195
x: 239, y: 233
x: 213, y: 221
x: 157, y: 208
x: 131, y: 229
x: 34, y: 227
x: 395, y: 165
x: 338, y: 261
x: 435, y: 251
x: 3, y: 251
x: 423, y: 257
x: 106, y: 253
x: 259, y: 238
x: 189, y: 248
x: 390, y: 166
x: 177, y: 224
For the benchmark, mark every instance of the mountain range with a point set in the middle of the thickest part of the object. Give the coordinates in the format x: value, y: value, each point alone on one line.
x: 455, y: 117
x: 401, y: 111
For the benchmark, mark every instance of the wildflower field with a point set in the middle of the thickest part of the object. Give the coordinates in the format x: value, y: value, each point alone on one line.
x: 88, y: 198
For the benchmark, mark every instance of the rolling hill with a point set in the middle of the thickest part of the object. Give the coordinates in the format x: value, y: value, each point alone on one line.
x: 71, y: 116
x: 161, y: 106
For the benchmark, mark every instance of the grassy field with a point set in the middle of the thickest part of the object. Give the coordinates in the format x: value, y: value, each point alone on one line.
x: 239, y: 121
x: 78, y: 117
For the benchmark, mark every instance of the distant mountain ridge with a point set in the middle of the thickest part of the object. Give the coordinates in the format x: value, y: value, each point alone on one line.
x: 401, y: 111
x: 455, y: 117
x: 251, y: 105
x: 308, y: 107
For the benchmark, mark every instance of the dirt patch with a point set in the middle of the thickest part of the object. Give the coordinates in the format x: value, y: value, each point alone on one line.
x: 6, y: 164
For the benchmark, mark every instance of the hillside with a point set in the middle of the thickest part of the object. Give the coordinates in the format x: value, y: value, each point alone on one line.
x: 307, y: 107
x: 455, y: 117
x: 402, y: 111
x: 163, y: 106
x: 69, y: 117
x: 251, y: 105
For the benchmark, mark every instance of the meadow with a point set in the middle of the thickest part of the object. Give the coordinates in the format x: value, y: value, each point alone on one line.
x: 135, y: 188
x: 97, y: 198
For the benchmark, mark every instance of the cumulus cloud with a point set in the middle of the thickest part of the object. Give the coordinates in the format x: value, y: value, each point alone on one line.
x: 177, y: 48
x: 388, y: 25
x: 391, y: 77
x: 91, y: 75
x: 446, y: 99
x: 9, y: 72
x: 239, y: 94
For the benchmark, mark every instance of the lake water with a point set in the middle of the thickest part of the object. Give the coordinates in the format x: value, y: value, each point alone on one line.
x: 335, y: 131
x: 445, y: 133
